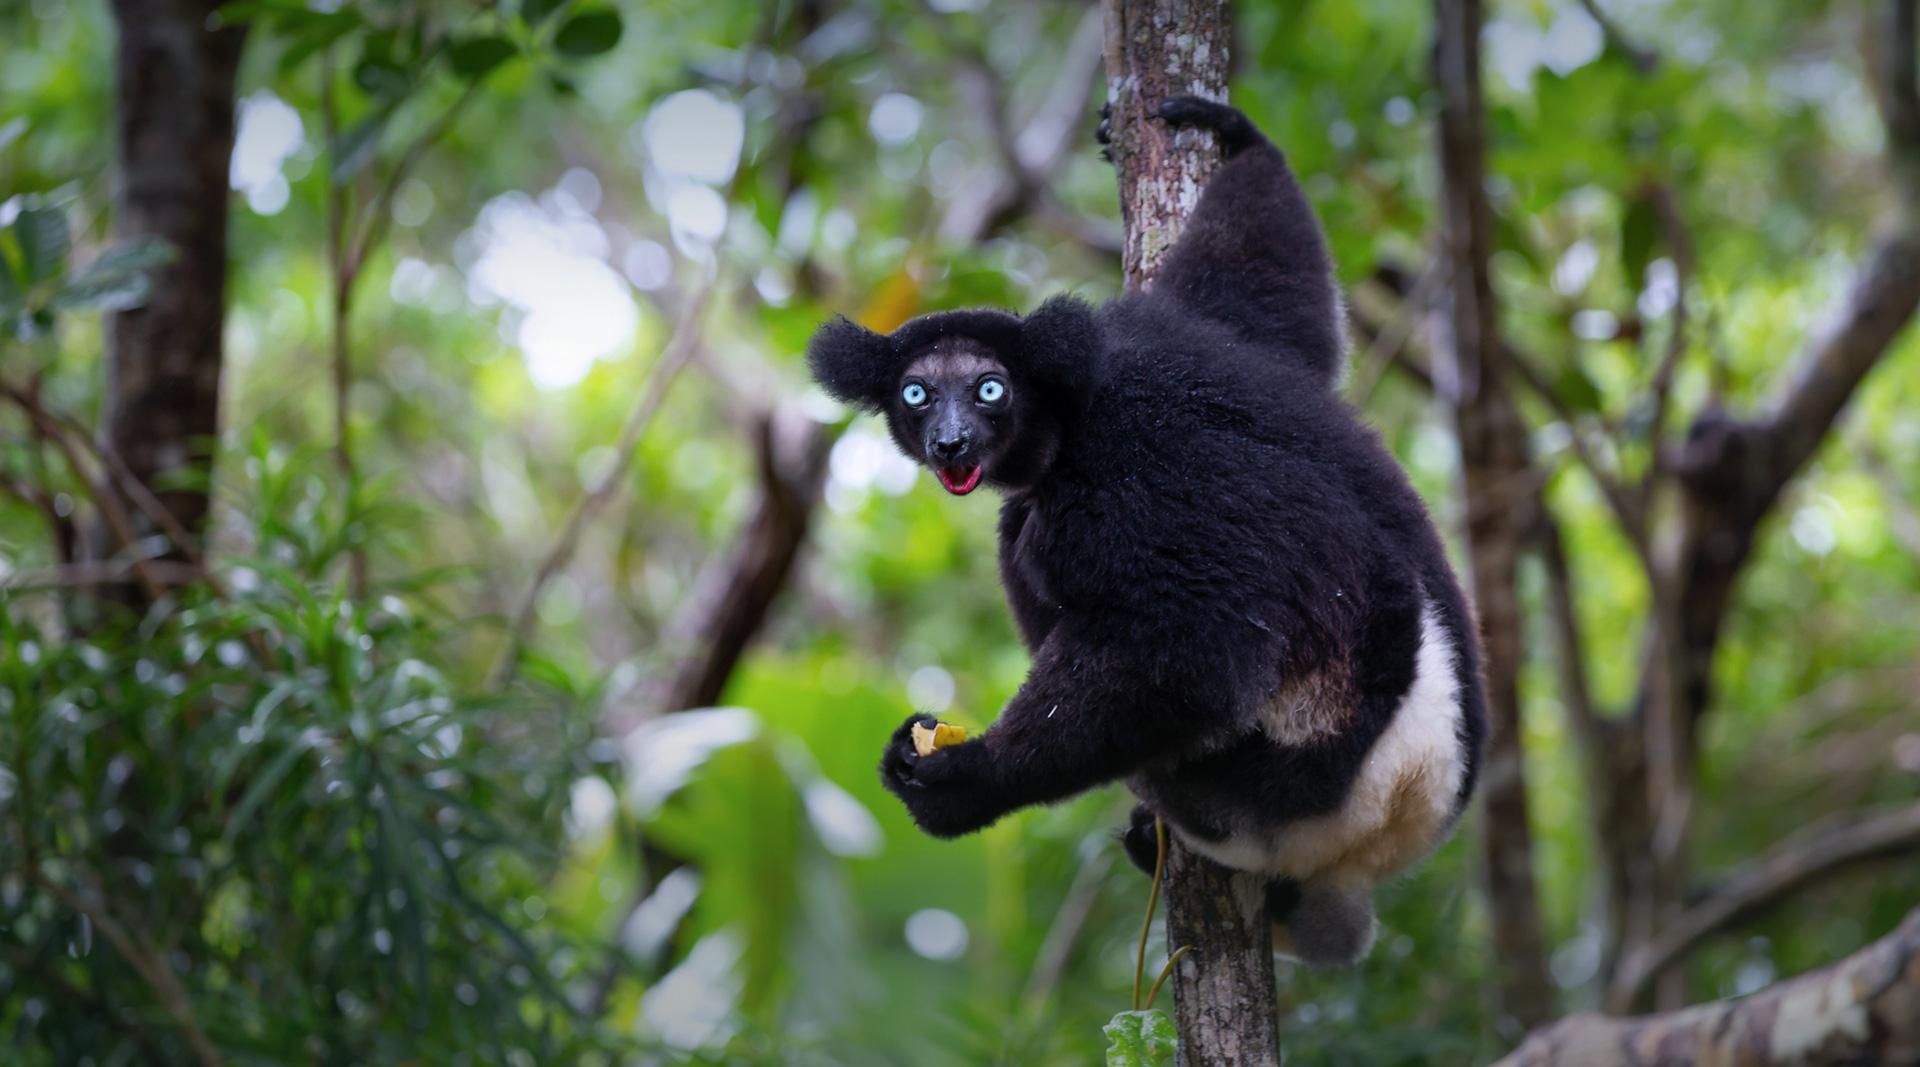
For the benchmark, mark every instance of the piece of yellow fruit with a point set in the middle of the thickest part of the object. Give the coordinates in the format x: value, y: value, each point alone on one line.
x: 929, y: 739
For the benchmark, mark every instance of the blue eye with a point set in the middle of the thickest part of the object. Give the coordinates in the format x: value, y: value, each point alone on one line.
x: 914, y: 394
x: 992, y: 389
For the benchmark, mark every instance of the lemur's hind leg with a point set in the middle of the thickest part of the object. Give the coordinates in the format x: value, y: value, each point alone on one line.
x: 1320, y: 922
x: 1252, y: 255
x: 1235, y: 130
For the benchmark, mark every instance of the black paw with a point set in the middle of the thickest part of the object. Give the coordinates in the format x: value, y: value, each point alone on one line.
x: 950, y: 791
x: 1283, y: 895
x: 1103, y: 132
x: 1142, y: 846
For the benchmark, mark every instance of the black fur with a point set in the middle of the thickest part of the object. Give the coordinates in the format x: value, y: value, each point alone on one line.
x: 1212, y: 523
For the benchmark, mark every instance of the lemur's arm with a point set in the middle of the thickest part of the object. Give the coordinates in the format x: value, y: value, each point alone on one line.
x: 1026, y: 593
x: 1252, y: 254
x: 1095, y: 708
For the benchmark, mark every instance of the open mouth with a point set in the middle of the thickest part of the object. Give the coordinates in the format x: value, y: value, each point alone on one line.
x: 959, y: 480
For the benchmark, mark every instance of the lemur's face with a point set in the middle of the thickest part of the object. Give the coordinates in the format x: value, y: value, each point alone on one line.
x: 959, y: 410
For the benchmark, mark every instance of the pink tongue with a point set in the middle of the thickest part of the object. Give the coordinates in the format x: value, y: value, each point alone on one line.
x: 959, y: 480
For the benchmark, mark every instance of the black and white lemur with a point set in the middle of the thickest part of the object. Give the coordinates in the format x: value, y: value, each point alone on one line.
x: 1233, y: 598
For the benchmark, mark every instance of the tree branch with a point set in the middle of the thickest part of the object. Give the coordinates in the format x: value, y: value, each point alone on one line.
x: 1644, y: 60
x: 733, y: 593
x: 1501, y: 491
x: 1864, y: 1009
x: 1731, y: 470
x: 1030, y: 156
x: 1680, y: 247
x: 50, y: 429
x: 1814, y: 853
x: 147, y: 962
x: 679, y: 349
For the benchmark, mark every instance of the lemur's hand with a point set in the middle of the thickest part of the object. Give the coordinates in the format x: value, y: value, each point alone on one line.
x: 949, y: 792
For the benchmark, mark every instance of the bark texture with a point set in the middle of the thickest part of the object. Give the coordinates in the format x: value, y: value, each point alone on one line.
x: 173, y: 131
x: 1499, y: 502
x: 1156, y: 49
x: 1224, y: 998
x: 1862, y: 1010
x: 1223, y: 988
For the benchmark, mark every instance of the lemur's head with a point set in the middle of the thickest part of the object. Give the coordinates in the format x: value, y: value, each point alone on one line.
x: 975, y: 395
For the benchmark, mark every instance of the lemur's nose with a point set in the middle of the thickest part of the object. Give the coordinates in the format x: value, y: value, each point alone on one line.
x: 947, y: 449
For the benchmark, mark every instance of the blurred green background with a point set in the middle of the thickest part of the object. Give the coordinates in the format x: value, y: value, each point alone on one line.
x: 359, y: 849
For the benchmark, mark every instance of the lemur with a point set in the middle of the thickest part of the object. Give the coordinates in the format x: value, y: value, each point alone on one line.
x: 1234, y: 600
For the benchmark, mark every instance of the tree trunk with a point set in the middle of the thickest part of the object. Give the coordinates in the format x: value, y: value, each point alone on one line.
x: 1499, y: 490
x: 1223, y: 988
x: 173, y: 129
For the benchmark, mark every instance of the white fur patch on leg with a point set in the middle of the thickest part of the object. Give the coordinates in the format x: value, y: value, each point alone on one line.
x: 1402, y: 801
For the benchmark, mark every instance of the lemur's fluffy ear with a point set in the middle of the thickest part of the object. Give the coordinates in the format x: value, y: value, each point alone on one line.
x: 852, y: 363
x: 1058, y: 340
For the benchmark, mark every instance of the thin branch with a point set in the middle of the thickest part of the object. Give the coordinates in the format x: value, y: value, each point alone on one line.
x: 146, y: 961
x: 343, y: 276
x: 1644, y: 60
x: 1815, y: 853
x: 1048, y: 139
x: 1680, y: 248
x: 1050, y: 962
x: 164, y: 572
x: 679, y: 349
x: 59, y: 527
x: 1391, y: 334
x: 378, y: 216
x: 121, y: 478
x: 1563, y: 618
x: 1032, y: 155
x: 50, y: 429
x: 1626, y: 507
x: 37, y: 965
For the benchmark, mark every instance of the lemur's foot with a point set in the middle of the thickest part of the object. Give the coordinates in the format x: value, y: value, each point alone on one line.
x: 1103, y: 132
x: 1139, y: 840
x: 1234, y: 129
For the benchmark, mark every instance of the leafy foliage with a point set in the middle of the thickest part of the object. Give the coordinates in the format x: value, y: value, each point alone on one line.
x: 1141, y: 1039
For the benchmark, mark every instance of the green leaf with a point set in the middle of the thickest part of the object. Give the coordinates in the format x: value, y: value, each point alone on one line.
x: 589, y: 33
x: 534, y: 12
x: 1575, y: 389
x: 1141, y: 1039
x: 476, y: 57
x: 12, y: 130
x: 310, y: 32
x: 118, y: 279
x: 381, y: 77
x: 42, y: 233
x: 356, y: 147
x: 562, y: 85
x: 262, y: 785
x: 9, y: 285
x: 1639, y: 229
